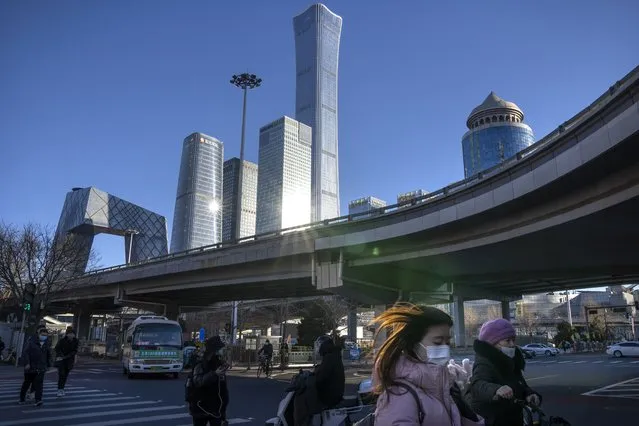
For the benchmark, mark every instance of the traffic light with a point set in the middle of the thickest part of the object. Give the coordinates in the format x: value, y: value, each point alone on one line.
x: 28, y: 296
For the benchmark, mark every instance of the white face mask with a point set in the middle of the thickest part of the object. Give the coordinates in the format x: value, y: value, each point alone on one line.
x: 509, y: 352
x: 439, y: 354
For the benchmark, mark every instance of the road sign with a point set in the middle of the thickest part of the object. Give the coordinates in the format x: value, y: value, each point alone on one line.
x: 202, y: 334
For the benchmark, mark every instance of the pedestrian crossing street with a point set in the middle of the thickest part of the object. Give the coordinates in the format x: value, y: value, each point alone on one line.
x: 85, y: 406
x: 625, y: 389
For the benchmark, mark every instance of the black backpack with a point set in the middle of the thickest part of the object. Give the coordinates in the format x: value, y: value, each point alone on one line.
x: 191, y: 393
x: 369, y: 420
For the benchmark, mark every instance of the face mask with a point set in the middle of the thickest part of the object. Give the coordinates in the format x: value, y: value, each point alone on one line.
x: 509, y: 352
x: 43, y: 338
x: 439, y: 354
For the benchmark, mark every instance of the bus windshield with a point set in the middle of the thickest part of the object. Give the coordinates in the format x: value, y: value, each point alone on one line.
x: 157, y: 336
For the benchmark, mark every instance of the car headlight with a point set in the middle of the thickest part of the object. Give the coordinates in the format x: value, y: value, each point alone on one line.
x: 174, y: 361
x: 136, y: 361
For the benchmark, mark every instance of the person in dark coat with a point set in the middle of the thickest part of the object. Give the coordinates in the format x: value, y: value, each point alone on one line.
x: 65, y: 352
x: 324, y: 389
x: 208, y: 407
x: 497, y: 376
x: 37, y: 360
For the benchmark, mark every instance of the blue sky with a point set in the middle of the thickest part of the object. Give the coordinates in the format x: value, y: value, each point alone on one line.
x: 103, y: 93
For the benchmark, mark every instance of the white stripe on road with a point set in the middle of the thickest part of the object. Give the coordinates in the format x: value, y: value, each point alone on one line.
x: 119, y: 404
x: 597, y: 362
x: 564, y: 362
x: 541, y: 377
x: 137, y: 420
x: 580, y: 362
x: 52, y: 393
x: 235, y: 421
x: 59, y: 401
x: 634, y: 362
x: 589, y: 393
x: 6, y: 390
x: 616, y: 362
x: 38, y: 420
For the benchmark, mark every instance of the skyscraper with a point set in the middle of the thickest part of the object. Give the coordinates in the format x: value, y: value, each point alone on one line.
x: 197, y: 219
x: 284, y: 175
x: 365, y: 204
x: 317, y: 37
x: 249, y: 199
x: 496, y: 133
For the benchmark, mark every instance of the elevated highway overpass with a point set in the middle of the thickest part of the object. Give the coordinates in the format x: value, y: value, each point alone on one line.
x: 561, y: 214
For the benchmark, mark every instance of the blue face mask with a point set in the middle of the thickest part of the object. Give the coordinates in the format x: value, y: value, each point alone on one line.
x: 43, y: 338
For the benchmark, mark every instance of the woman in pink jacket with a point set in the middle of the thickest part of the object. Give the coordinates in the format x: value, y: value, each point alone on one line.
x: 410, y: 374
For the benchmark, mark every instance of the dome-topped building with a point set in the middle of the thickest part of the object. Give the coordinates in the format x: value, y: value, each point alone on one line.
x: 496, y: 133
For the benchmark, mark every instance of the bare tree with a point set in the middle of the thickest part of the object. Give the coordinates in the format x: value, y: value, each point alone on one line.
x: 34, y: 255
x: 472, y: 321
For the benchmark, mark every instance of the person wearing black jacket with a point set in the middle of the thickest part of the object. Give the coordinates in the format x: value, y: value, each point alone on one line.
x: 65, y: 352
x: 37, y: 360
x: 324, y: 389
x: 497, y: 376
x: 211, y: 395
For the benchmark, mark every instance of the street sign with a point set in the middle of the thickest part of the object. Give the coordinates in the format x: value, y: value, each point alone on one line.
x: 202, y: 334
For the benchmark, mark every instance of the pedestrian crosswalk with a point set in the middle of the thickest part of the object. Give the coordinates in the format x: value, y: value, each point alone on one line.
x: 613, y: 362
x: 625, y: 389
x: 85, y: 406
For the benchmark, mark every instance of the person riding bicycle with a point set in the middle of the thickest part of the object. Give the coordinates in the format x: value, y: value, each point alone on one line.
x: 324, y: 388
x: 266, y: 351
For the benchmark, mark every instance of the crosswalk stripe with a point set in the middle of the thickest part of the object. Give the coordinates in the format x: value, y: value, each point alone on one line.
x: 14, y: 400
x: 563, y: 362
x: 234, y: 421
x: 83, y: 407
x: 38, y: 420
x: 15, y: 394
x: 137, y: 420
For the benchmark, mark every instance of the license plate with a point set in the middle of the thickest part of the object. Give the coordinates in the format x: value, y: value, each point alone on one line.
x: 156, y: 368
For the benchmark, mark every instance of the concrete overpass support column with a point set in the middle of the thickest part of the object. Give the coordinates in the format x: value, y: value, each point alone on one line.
x: 459, y: 327
x: 172, y: 312
x: 505, y: 309
x: 82, y: 324
x: 351, y: 322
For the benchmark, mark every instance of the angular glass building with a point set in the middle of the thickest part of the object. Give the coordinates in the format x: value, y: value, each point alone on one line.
x: 197, y: 219
x: 364, y: 205
x: 496, y: 133
x: 284, y: 176
x: 317, y: 37
x: 249, y: 199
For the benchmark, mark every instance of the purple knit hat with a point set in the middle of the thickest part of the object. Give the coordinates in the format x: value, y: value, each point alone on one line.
x: 496, y: 330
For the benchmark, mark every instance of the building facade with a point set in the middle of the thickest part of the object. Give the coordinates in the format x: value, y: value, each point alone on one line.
x: 411, y: 195
x: 365, y: 205
x: 496, y: 133
x: 197, y: 218
x: 249, y: 199
x: 284, y: 176
x: 317, y: 40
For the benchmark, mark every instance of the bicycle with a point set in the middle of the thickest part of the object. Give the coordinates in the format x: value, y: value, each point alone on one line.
x: 264, y: 366
x: 534, y: 415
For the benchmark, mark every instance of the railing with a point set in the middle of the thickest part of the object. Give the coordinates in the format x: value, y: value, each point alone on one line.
x: 431, y: 197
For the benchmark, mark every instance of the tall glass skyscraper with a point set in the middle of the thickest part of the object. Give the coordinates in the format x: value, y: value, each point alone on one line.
x: 249, y: 199
x: 317, y: 36
x: 496, y: 133
x: 197, y: 219
x: 284, y: 175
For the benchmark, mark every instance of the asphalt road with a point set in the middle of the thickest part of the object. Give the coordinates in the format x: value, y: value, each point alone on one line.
x: 585, y: 389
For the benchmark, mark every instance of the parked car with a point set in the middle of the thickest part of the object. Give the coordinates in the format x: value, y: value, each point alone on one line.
x: 528, y: 353
x: 541, y: 349
x: 623, y: 349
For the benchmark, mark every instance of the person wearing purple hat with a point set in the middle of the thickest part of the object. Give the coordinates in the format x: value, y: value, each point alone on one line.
x: 497, y: 376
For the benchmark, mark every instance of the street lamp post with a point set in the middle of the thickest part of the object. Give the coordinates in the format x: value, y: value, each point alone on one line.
x: 245, y: 82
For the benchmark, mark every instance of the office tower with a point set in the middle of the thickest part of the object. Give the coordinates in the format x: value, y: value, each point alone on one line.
x: 496, y: 133
x: 410, y: 195
x: 249, y: 199
x: 197, y: 219
x: 365, y: 204
x: 284, y: 176
x: 317, y: 37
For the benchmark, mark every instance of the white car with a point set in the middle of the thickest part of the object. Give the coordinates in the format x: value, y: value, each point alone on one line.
x: 541, y: 349
x: 623, y: 349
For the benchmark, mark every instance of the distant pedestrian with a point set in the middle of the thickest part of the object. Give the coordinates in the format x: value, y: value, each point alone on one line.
x: 65, y: 352
x: 37, y: 359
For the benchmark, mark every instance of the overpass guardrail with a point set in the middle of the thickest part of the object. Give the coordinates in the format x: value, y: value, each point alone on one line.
x: 631, y: 78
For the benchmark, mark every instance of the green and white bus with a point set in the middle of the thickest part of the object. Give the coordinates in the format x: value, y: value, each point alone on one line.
x: 152, y: 345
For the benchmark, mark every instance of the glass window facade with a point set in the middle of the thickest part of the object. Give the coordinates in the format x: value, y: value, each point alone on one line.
x: 317, y: 39
x: 284, y: 176
x: 249, y: 199
x: 487, y: 146
x: 197, y: 219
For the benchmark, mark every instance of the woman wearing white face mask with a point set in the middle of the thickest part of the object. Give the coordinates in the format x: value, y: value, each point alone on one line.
x: 497, y: 376
x: 410, y: 374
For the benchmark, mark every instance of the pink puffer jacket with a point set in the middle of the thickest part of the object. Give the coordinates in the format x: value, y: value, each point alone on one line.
x: 432, y: 383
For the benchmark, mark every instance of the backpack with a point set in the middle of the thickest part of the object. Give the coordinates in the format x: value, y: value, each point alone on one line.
x: 369, y: 420
x: 191, y: 393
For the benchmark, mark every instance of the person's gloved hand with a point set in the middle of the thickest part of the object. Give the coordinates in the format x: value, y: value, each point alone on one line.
x: 533, y: 399
x: 463, y: 407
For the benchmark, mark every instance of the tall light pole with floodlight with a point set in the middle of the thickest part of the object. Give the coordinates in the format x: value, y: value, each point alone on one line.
x: 245, y: 82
